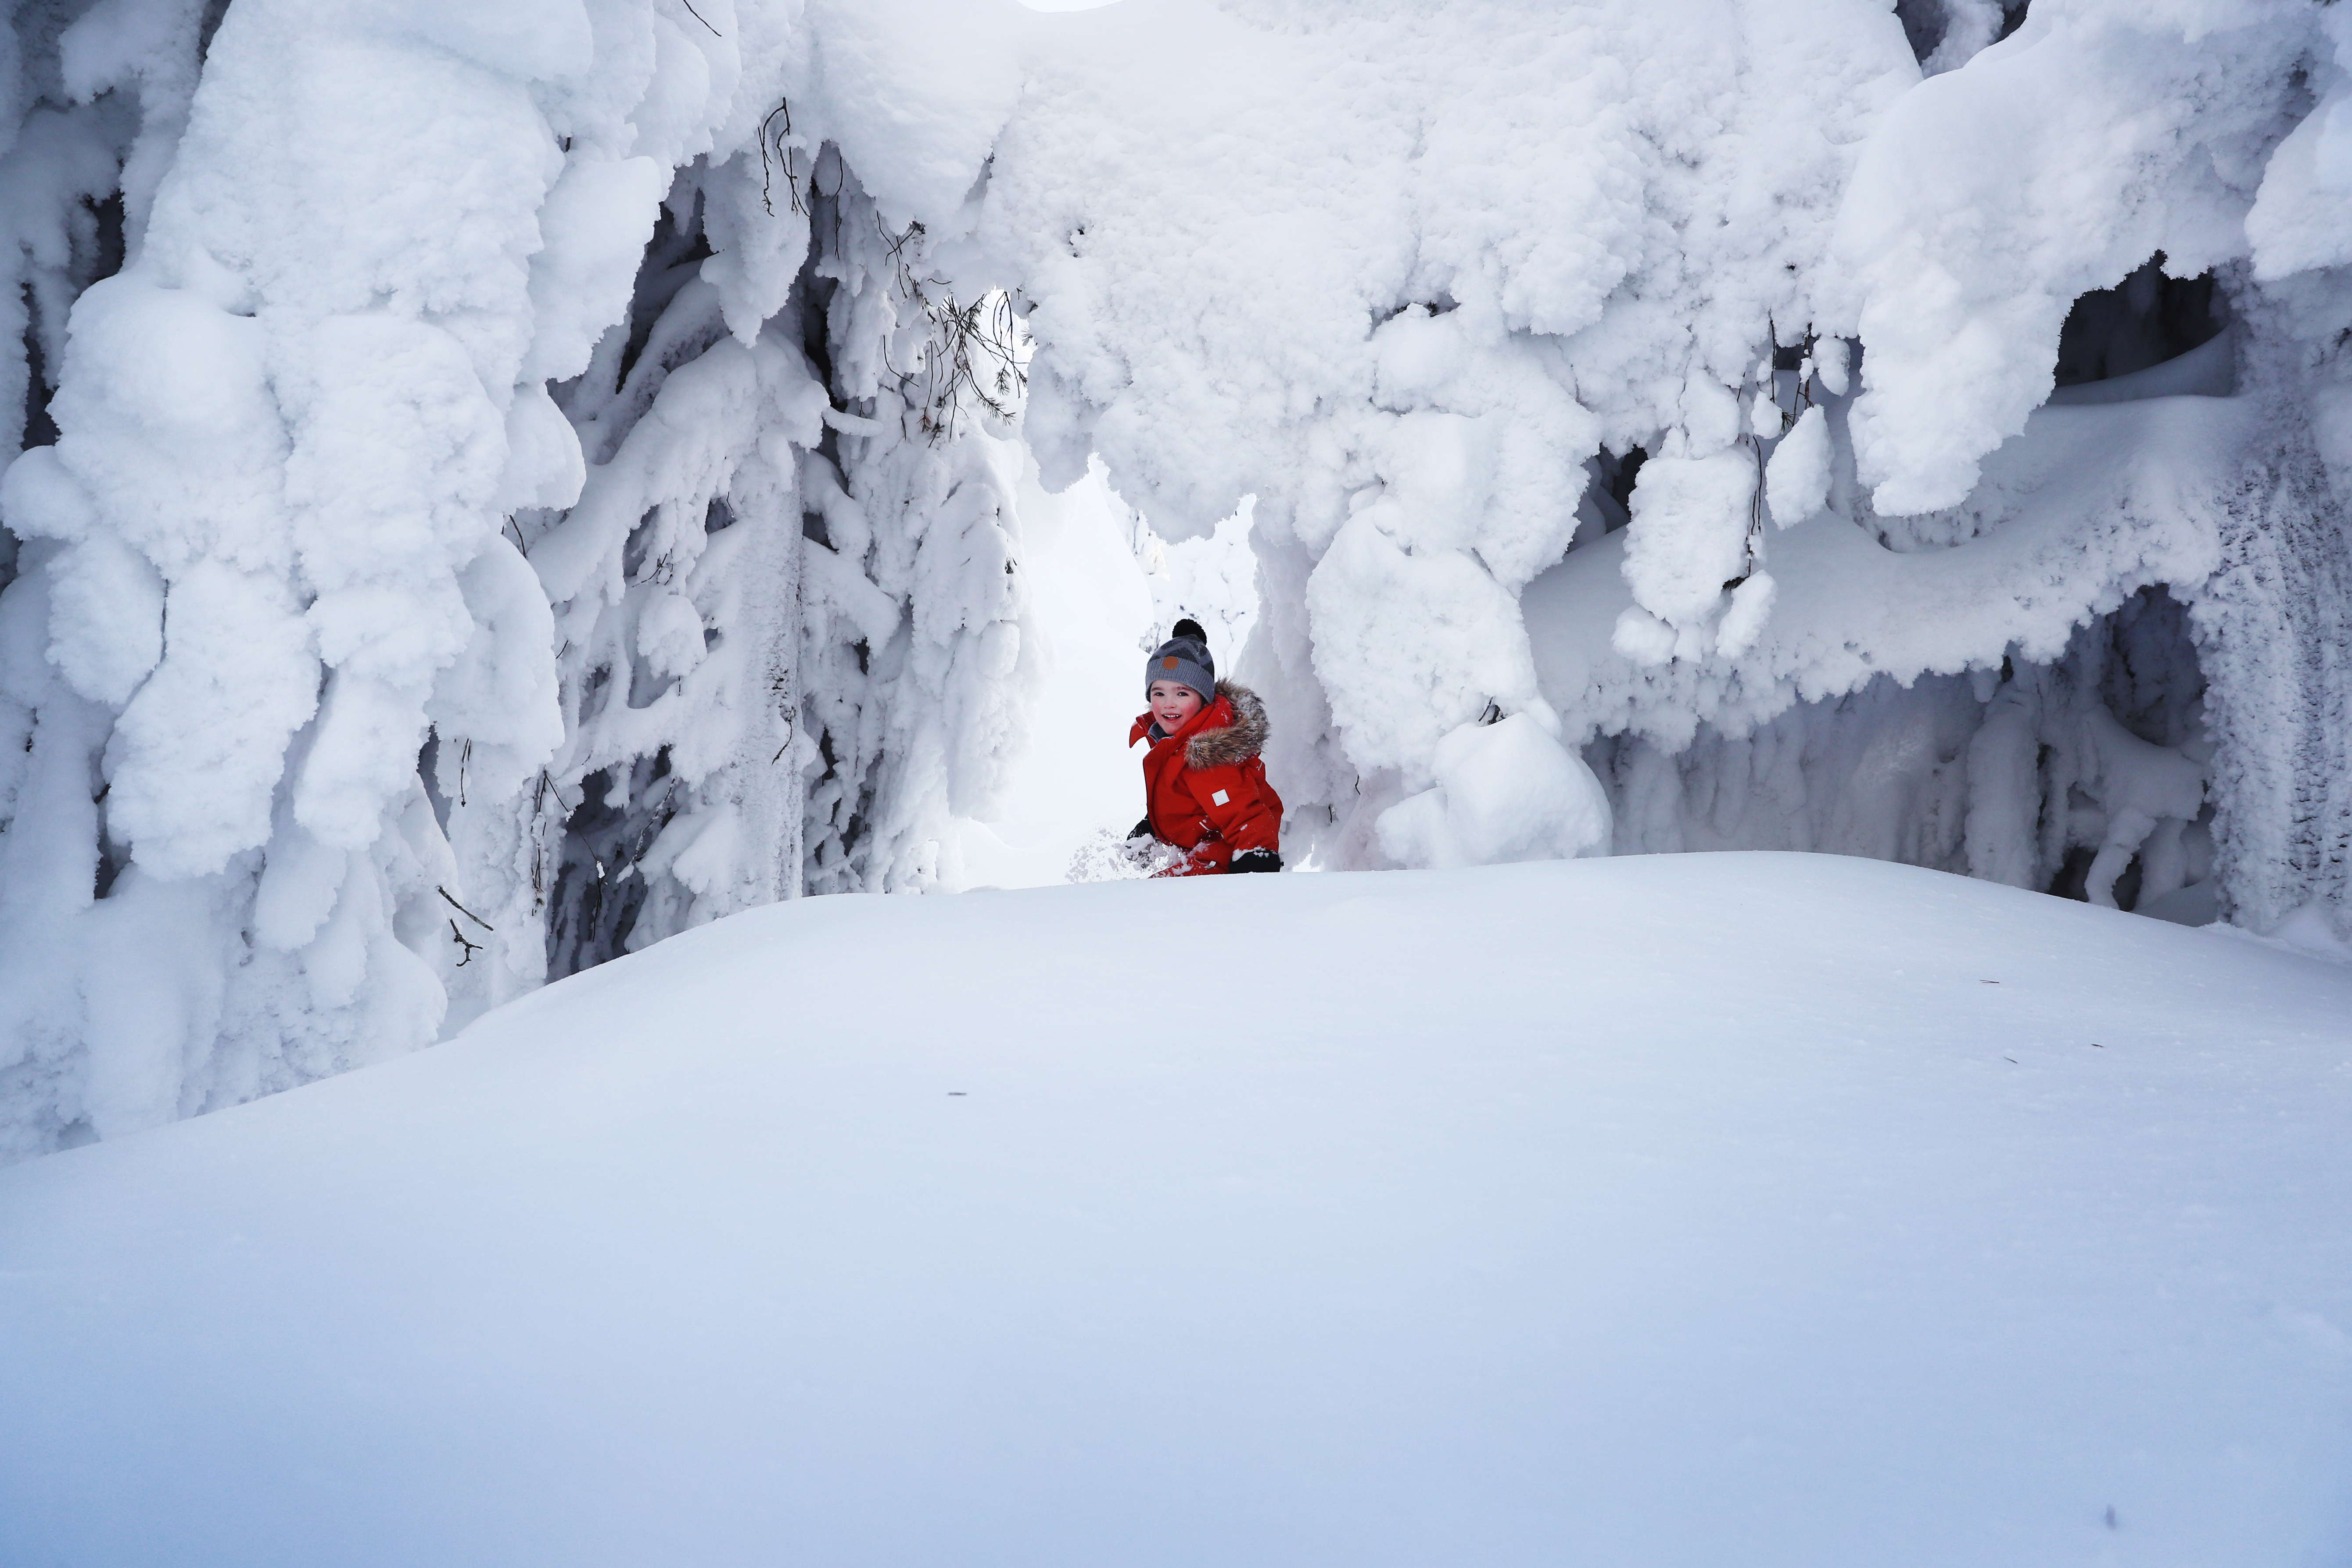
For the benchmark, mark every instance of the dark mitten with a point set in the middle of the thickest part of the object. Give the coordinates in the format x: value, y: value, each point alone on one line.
x: 1256, y: 860
x: 1142, y: 830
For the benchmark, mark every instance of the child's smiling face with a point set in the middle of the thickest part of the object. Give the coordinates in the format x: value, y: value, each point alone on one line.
x: 1173, y: 703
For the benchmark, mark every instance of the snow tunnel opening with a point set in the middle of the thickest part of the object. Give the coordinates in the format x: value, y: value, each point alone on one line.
x: 1105, y: 588
x: 2145, y: 321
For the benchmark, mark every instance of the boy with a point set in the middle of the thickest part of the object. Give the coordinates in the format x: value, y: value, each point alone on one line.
x: 1205, y: 786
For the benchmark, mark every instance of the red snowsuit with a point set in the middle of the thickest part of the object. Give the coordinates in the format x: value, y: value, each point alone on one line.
x: 1204, y: 787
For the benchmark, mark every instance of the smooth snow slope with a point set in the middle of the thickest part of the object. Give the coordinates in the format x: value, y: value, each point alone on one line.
x: 1706, y: 1210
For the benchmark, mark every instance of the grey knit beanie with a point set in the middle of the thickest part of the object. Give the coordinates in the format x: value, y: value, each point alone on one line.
x: 1183, y: 657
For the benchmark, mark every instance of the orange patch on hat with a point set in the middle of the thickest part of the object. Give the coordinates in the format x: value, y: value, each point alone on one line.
x: 1168, y: 663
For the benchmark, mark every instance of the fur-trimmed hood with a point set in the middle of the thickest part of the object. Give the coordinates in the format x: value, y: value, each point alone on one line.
x: 1233, y: 743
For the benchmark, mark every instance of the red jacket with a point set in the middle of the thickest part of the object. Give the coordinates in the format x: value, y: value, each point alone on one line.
x: 1205, y: 786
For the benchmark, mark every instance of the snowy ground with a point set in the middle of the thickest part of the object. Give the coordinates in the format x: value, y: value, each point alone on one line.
x: 1720, y: 1211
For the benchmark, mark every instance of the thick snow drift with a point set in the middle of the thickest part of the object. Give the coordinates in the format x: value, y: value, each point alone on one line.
x: 1701, y: 1210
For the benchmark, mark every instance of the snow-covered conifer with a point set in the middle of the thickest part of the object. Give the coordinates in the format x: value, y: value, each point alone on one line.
x: 507, y: 484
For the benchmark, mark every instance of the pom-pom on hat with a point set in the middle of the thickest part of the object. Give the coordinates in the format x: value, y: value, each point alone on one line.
x: 1183, y: 657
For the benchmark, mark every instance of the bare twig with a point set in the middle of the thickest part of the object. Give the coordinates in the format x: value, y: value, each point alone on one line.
x: 1755, y: 543
x: 548, y: 786
x: 784, y: 156
x: 463, y: 910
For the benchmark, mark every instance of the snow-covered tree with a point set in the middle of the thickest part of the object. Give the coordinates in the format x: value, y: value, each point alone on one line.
x: 519, y: 495
x: 506, y: 484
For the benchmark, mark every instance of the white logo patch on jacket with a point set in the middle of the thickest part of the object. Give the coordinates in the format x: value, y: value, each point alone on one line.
x: 1218, y: 798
